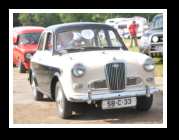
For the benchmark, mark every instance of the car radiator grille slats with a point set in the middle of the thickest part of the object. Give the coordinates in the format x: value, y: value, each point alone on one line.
x: 115, y: 76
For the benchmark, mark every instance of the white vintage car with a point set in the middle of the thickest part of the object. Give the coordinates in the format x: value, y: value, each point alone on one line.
x: 88, y: 63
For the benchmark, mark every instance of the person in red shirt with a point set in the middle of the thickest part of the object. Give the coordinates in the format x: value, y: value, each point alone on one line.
x: 133, y: 32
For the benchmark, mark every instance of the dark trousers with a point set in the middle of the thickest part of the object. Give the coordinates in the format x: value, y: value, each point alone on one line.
x: 134, y: 38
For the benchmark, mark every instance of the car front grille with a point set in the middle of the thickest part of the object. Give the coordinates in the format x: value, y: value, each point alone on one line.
x: 102, y: 84
x: 161, y: 38
x: 131, y: 81
x: 115, y: 76
x: 99, y: 84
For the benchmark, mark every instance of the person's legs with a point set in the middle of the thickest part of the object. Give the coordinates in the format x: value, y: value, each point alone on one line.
x: 131, y: 42
x: 135, y: 40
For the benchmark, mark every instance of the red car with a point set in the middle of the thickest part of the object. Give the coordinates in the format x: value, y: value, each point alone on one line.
x: 25, y: 41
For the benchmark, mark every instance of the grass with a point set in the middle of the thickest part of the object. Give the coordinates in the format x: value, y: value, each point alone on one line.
x: 134, y: 49
x: 158, y: 67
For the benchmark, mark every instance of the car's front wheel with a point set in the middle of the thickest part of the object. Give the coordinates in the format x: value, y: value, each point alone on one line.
x: 144, y: 103
x: 64, y: 107
x: 37, y: 95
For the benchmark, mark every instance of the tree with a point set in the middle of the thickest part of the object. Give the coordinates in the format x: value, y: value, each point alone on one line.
x: 26, y: 19
x: 16, y: 21
x: 46, y: 19
x: 39, y: 19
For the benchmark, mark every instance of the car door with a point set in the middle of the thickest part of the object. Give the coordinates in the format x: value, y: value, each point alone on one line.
x: 36, y: 61
x: 43, y: 67
x: 46, y: 63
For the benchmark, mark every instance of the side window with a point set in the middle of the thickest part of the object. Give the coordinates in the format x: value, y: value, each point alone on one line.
x: 41, y: 41
x: 49, y: 42
x: 114, y: 41
x: 102, y: 39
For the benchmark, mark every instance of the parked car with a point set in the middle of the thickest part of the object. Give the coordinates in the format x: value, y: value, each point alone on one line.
x: 88, y: 63
x: 152, y: 40
x: 25, y: 40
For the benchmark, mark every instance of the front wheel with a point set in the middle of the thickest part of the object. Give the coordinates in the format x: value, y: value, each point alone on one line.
x: 144, y: 103
x: 64, y: 107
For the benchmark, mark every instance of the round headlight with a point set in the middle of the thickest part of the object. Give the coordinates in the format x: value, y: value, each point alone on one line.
x: 155, y: 39
x: 28, y: 55
x: 149, y: 65
x: 78, y: 70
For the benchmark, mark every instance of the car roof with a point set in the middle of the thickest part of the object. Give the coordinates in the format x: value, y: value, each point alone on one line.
x: 75, y: 25
x: 27, y: 29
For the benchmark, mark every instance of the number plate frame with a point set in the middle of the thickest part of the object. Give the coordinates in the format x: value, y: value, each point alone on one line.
x: 119, y: 103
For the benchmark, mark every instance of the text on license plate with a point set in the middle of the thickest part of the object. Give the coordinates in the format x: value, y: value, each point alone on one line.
x: 119, y: 103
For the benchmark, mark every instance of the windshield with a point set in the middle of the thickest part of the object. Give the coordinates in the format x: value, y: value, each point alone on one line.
x: 29, y: 38
x: 158, y: 22
x: 87, y: 38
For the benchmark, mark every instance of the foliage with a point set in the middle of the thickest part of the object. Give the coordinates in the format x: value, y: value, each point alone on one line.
x: 46, y: 19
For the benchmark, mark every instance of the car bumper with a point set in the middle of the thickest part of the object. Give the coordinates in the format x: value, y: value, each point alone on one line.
x: 107, y: 94
x: 149, y: 51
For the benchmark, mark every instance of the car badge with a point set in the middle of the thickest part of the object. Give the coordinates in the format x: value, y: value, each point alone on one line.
x: 114, y: 58
x: 115, y: 66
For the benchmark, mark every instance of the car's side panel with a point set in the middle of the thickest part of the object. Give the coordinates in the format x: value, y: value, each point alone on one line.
x: 44, y: 74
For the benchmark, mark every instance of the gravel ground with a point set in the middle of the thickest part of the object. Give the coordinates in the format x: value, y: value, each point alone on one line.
x: 28, y: 111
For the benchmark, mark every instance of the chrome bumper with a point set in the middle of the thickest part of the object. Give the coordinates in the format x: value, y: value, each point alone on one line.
x: 149, y: 51
x: 94, y: 95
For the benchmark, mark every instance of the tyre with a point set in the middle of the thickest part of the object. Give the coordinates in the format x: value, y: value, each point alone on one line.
x: 80, y: 108
x: 38, y: 96
x: 144, y: 103
x: 21, y: 68
x: 64, y: 107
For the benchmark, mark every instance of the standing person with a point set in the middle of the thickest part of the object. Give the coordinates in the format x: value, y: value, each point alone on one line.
x: 133, y: 32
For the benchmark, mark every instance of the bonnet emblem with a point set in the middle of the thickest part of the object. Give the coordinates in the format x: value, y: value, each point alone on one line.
x: 114, y: 58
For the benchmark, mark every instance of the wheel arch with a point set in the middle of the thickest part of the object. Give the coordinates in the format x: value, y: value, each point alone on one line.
x: 32, y: 76
x: 54, y: 80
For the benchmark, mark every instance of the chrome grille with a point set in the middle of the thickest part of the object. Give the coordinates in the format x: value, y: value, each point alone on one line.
x: 115, y: 76
x: 102, y: 84
x: 133, y: 81
x: 98, y: 84
x: 161, y: 38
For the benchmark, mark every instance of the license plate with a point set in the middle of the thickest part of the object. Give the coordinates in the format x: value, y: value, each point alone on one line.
x: 119, y: 103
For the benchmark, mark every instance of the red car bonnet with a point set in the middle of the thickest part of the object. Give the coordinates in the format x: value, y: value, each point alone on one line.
x: 28, y: 47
